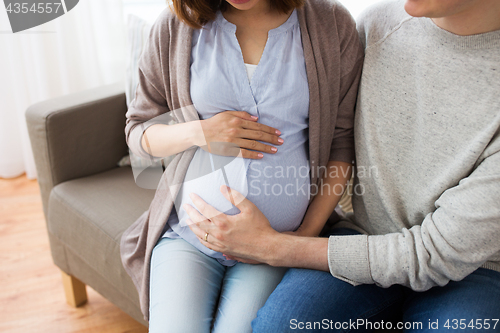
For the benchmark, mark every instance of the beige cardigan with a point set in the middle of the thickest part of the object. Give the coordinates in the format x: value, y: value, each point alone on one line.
x: 333, y: 55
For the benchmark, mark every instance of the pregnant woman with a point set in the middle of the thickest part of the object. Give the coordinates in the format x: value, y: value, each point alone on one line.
x: 244, y: 73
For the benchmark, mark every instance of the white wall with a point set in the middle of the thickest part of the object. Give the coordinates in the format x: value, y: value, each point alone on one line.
x: 146, y: 9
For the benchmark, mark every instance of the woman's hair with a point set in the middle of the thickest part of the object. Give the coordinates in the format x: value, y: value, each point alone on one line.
x: 198, y: 12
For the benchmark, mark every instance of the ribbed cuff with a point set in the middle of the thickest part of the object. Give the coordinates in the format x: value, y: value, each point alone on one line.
x: 495, y: 266
x: 348, y: 259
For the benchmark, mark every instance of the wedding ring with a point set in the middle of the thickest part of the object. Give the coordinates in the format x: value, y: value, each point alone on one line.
x: 206, y: 237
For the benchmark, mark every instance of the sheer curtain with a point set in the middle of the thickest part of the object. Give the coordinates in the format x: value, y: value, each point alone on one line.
x: 357, y: 6
x: 82, y: 49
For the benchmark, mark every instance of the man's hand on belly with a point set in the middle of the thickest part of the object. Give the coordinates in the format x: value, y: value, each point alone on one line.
x: 249, y: 236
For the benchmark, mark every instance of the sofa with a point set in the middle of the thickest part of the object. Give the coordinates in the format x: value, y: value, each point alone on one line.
x: 88, y: 200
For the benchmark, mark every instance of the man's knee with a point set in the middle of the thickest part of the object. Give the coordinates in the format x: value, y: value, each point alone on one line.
x: 308, y: 296
x: 293, y: 297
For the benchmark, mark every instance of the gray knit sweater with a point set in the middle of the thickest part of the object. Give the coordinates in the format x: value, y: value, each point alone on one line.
x: 427, y: 132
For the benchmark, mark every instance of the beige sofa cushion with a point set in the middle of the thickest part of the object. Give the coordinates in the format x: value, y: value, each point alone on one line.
x: 89, y: 215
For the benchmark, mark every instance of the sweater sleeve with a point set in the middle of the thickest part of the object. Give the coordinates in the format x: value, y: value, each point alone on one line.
x: 150, y: 103
x: 351, y: 62
x: 458, y: 237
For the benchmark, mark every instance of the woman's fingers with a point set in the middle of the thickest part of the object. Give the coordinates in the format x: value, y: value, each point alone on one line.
x: 254, y: 155
x: 255, y: 145
x: 260, y: 127
x: 243, y: 115
x: 241, y: 130
x: 219, y: 149
x: 261, y: 136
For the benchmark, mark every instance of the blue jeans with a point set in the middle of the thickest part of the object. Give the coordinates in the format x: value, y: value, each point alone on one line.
x: 315, y: 301
x: 193, y: 293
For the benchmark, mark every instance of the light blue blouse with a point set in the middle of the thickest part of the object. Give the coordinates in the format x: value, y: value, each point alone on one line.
x: 278, y: 93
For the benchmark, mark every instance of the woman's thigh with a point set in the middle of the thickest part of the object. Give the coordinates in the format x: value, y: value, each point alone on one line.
x: 245, y: 290
x: 184, y: 288
x: 469, y: 305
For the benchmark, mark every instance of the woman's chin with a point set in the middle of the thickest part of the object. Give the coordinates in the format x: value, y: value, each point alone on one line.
x: 242, y: 4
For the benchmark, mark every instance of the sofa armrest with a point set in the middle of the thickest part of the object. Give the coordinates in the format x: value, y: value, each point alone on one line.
x: 77, y: 135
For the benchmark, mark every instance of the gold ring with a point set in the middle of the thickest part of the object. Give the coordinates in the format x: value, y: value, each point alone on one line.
x: 206, y: 237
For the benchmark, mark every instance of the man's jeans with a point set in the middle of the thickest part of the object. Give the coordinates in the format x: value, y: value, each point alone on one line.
x: 315, y: 301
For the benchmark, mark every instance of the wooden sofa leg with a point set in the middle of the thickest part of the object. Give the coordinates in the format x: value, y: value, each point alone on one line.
x: 76, y: 293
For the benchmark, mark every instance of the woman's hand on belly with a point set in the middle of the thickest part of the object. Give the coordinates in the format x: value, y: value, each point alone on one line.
x: 241, y: 130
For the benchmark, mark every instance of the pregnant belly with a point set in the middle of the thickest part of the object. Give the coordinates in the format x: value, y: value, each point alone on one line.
x: 279, y: 187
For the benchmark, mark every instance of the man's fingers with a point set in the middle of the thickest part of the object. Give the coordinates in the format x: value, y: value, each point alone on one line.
x: 235, y: 197
x: 196, y: 228
x: 200, y: 229
x: 205, y: 209
x: 214, y: 246
x: 211, y: 242
x: 228, y: 257
x: 193, y: 214
x: 245, y: 261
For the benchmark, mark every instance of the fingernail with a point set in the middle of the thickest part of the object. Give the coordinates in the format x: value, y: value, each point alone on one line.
x: 274, y: 149
x: 260, y: 155
x: 278, y: 132
x: 223, y: 189
x: 254, y: 117
x: 280, y: 140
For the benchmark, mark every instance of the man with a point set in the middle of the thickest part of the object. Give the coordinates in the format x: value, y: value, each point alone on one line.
x: 426, y: 188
